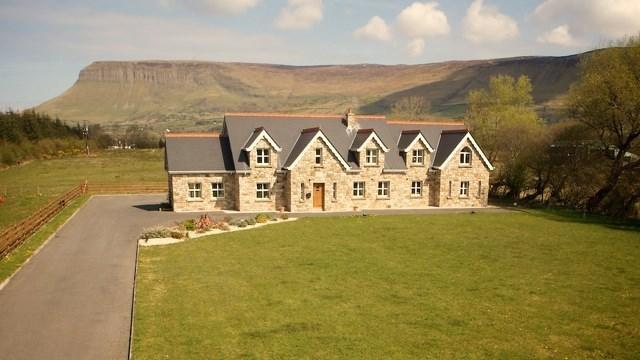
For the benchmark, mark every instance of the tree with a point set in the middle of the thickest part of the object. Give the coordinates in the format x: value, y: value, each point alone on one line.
x: 606, y: 98
x: 410, y: 107
x: 504, y: 122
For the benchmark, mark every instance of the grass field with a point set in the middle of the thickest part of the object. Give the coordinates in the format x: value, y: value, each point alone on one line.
x: 30, y: 186
x: 504, y: 286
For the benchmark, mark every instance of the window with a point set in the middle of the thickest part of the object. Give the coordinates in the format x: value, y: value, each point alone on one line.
x: 449, y: 188
x: 217, y: 190
x: 464, y: 189
x: 371, y: 157
x: 416, y: 188
x: 417, y: 156
x: 383, y: 189
x: 301, y: 191
x: 479, y: 188
x: 319, y: 156
x: 358, y: 189
x: 335, y: 191
x: 465, y: 156
x: 262, y: 190
x: 195, y: 190
x: 262, y: 157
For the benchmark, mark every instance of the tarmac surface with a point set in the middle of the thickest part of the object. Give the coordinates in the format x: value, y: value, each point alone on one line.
x: 74, y: 298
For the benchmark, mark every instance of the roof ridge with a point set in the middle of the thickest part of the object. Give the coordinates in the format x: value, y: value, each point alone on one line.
x: 191, y: 134
x: 289, y: 115
x: 457, y: 131
x: 311, y: 129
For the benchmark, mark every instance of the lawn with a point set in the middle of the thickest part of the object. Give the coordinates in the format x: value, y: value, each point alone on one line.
x: 441, y: 286
x: 30, y: 186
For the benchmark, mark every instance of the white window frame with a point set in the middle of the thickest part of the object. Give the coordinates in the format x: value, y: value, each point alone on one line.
x: 384, y: 189
x: 417, y: 157
x: 465, y: 156
x: 263, y: 191
x: 464, y: 189
x: 358, y: 189
x: 218, y: 191
x: 416, y: 188
x: 318, y: 157
x: 371, y: 156
x: 263, y: 156
x: 194, y: 191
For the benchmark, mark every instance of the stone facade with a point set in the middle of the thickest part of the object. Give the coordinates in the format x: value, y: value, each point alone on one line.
x: 292, y: 190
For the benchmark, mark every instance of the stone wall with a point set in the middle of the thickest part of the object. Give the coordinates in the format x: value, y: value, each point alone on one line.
x: 180, y: 192
x: 477, y: 174
x: 247, y: 200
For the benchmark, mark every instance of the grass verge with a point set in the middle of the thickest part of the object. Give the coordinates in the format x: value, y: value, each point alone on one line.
x: 13, y: 261
x: 506, y: 286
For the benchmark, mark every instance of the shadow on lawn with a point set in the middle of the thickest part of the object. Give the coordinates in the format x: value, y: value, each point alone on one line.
x: 563, y: 215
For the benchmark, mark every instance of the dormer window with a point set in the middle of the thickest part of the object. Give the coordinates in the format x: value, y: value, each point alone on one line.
x: 417, y: 157
x: 318, y: 157
x: 262, y: 157
x: 371, y: 157
x: 465, y: 157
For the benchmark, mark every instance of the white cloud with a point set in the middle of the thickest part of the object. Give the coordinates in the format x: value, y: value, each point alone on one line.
x: 612, y: 18
x: 300, y: 14
x: 559, y: 36
x: 376, y: 29
x: 420, y: 20
x: 415, y: 47
x: 486, y: 24
x: 220, y: 7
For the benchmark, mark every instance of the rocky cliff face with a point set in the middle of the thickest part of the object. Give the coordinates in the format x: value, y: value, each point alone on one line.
x: 155, y: 72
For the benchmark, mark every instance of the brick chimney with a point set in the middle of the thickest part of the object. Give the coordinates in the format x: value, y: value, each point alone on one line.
x: 350, y: 121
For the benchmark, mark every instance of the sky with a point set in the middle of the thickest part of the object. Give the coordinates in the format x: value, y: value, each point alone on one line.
x: 46, y: 43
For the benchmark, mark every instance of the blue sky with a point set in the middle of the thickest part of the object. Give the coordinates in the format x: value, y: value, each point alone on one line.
x: 46, y: 43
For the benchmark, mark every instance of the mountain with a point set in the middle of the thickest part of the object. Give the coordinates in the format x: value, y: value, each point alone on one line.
x: 193, y: 95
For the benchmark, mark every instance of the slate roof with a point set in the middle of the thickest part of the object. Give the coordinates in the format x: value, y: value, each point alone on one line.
x: 288, y: 132
x: 197, y: 152
x: 448, y: 142
x: 407, y: 137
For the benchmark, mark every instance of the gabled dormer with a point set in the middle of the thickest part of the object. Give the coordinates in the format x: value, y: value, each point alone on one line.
x: 414, y: 148
x: 313, y: 139
x: 368, y: 148
x: 261, y: 149
x: 457, y: 148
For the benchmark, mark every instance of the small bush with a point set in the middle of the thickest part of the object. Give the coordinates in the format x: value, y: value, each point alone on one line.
x: 274, y: 219
x: 177, y: 234
x: 235, y: 222
x: 155, y: 233
x: 251, y: 221
x: 284, y: 216
x: 242, y: 224
x: 262, y: 218
x: 189, y: 225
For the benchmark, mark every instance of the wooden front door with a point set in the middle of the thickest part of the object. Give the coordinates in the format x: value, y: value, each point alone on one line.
x: 318, y: 196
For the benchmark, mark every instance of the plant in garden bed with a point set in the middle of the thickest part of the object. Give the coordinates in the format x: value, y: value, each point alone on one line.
x: 155, y: 232
x: 251, y: 221
x: 262, y: 218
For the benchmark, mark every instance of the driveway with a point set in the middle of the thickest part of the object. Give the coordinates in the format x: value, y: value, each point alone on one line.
x: 74, y: 299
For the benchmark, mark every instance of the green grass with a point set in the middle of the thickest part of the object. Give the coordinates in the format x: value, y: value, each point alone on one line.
x: 32, y: 185
x: 10, y: 263
x: 504, y: 286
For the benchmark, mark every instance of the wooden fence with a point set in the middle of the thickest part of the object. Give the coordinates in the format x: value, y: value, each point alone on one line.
x: 16, y: 234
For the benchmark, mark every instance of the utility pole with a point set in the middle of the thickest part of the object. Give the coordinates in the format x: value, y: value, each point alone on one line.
x: 85, y: 133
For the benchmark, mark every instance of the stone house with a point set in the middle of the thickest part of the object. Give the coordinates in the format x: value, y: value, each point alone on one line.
x: 283, y: 162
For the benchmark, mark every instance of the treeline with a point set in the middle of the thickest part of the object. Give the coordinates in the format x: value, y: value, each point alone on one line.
x: 30, y: 135
x: 588, y: 161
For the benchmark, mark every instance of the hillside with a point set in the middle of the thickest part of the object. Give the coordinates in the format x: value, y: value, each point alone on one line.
x: 187, y: 94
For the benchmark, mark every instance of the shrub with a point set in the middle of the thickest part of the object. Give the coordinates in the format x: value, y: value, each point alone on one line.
x: 284, y: 216
x: 242, y: 224
x: 189, y: 225
x: 177, y: 234
x: 204, y: 223
x: 250, y: 221
x: 262, y: 218
x: 155, y: 232
x: 274, y: 219
x: 235, y: 222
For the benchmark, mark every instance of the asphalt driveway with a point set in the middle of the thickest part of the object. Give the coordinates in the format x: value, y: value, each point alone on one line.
x: 73, y: 300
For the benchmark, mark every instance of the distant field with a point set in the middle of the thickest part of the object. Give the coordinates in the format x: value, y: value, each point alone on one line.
x: 30, y: 186
x: 481, y: 286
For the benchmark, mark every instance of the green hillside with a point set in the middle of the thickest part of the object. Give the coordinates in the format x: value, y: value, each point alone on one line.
x: 194, y: 95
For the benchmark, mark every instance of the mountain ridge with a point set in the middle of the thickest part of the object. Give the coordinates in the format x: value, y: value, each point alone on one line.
x: 194, y: 94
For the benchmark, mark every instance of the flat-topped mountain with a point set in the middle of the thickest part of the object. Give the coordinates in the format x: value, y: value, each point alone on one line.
x: 192, y: 94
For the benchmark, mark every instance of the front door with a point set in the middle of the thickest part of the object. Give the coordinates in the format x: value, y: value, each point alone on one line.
x: 318, y: 196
